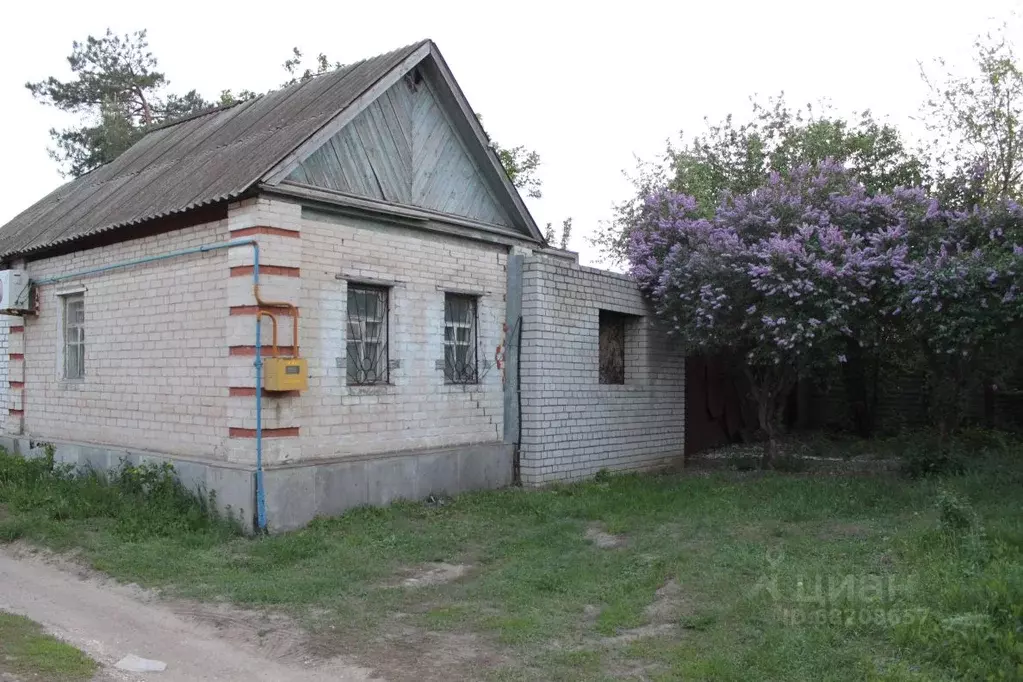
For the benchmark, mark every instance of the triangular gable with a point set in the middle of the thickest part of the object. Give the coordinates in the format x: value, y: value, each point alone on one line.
x: 412, y: 140
x: 403, y: 148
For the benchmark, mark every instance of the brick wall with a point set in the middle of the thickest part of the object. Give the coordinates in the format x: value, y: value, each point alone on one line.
x: 170, y: 352
x: 417, y: 409
x: 573, y: 426
x: 5, y: 323
x: 154, y: 356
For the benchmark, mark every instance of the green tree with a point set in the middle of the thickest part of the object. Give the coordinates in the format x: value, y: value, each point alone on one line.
x: 735, y: 158
x: 521, y: 165
x: 117, y: 90
x: 293, y: 65
x: 976, y: 142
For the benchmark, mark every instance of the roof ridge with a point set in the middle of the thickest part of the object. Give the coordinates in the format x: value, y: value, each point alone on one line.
x: 196, y: 114
x: 298, y: 82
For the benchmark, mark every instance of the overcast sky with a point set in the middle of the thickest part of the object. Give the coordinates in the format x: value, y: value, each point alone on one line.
x: 587, y: 85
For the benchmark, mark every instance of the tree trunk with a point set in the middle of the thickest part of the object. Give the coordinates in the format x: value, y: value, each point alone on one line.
x: 855, y: 373
x: 770, y: 453
x: 989, y: 403
x: 765, y: 415
x: 770, y: 391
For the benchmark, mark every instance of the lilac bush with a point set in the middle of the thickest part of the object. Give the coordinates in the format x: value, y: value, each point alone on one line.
x: 797, y: 275
x: 962, y: 302
x: 781, y: 279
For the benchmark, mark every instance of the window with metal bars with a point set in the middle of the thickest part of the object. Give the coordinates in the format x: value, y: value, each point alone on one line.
x: 460, y: 353
x: 73, y: 323
x: 367, y: 335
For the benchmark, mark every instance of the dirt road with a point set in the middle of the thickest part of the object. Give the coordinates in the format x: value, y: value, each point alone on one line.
x: 109, y: 621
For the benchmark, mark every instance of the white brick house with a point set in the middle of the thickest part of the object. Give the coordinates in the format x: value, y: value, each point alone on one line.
x: 447, y: 346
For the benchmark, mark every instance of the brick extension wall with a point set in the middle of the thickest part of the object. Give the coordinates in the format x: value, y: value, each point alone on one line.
x: 572, y: 425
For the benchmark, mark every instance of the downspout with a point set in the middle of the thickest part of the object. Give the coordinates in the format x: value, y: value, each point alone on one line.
x: 260, y: 490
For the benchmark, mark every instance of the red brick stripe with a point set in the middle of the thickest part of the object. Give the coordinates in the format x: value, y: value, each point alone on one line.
x: 250, y: 351
x: 262, y: 229
x: 16, y: 328
x: 250, y: 391
x: 280, y: 270
x: 17, y: 384
x: 252, y: 310
x: 286, y: 432
x: 17, y: 356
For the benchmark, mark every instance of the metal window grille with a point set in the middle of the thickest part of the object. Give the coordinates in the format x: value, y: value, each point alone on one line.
x: 612, y: 348
x: 74, y: 336
x: 460, y: 347
x: 367, y: 335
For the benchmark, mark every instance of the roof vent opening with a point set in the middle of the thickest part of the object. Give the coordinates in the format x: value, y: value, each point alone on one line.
x: 412, y: 79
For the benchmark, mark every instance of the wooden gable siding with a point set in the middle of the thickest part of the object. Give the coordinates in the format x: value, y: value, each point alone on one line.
x: 404, y: 149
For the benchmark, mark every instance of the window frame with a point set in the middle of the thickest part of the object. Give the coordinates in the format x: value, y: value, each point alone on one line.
x: 608, y: 321
x: 383, y: 369
x: 69, y: 348
x: 452, y: 375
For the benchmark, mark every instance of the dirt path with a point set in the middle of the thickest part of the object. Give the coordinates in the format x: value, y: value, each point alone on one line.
x: 109, y: 621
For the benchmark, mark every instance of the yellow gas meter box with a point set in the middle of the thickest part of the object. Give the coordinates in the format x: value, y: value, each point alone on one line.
x: 285, y: 374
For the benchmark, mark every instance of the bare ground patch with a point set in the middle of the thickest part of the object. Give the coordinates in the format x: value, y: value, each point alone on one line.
x: 437, y: 573
x: 402, y: 652
x: 668, y: 607
x: 596, y: 534
x: 277, y: 636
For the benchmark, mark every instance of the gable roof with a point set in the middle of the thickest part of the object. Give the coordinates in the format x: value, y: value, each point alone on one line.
x: 225, y: 153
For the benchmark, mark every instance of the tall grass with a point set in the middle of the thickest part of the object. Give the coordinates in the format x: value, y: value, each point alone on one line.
x: 138, y: 501
x: 971, y: 594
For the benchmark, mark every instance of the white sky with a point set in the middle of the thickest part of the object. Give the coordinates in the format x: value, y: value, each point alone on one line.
x: 586, y: 84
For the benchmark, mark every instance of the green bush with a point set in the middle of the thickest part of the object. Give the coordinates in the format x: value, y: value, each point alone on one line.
x: 143, y: 501
x: 928, y: 457
x: 955, y: 514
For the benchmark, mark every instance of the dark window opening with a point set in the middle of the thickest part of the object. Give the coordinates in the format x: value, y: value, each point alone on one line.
x: 460, y: 353
x: 413, y: 79
x: 366, y: 347
x: 612, y: 347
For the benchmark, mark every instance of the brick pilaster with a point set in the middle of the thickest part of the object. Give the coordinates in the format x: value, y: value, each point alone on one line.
x: 276, y: 226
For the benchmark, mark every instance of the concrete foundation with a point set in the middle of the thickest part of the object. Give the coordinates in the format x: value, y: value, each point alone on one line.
x: 297, y: 493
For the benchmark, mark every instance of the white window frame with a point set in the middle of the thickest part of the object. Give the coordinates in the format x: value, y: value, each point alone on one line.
x: 358, y: 340
x: 72, y: 337
x: 452, y: 344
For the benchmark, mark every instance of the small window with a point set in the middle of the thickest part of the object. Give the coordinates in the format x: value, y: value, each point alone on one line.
x: 612, y: 348
x: 367, y: 335
x: 73, y: 322
x: 460, y: 358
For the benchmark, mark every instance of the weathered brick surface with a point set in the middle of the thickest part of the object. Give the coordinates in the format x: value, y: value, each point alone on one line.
x: 155, y: 377
x: 573, y: 426
x: 417, y: 409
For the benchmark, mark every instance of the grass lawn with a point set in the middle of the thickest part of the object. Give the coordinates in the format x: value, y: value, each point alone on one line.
x: 27, y: 653
x: 723, y: 576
